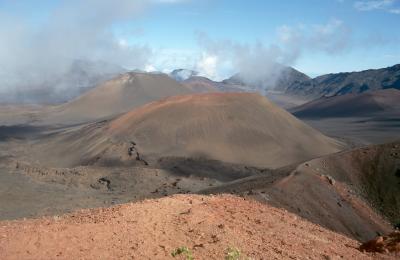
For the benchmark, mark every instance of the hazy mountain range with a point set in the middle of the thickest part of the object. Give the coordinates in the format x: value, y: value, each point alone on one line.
x: 291, y: 82
x: 84, y: 75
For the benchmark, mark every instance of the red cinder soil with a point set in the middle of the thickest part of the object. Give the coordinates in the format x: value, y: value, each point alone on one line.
x: 152, y: 229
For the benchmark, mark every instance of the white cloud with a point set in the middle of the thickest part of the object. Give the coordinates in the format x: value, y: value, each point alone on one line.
x: 208, y: 65
x: 332, y: 37
x: 220, y: 58
x: 371, y: 5
x: 256, y: 62
x: 167, y: 59
x: 149, y: 68
x: 123, y: 43
x: 74, y: 30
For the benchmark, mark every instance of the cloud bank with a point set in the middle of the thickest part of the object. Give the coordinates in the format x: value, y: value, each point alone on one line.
x: 34, y: 55
x: 258, y: 62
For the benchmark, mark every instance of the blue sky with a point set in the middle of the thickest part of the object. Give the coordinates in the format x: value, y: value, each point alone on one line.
x: 372, y: 43
x: 218, y: 37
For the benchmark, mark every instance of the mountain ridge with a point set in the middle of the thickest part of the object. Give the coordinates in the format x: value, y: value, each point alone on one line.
x: 335, y: 84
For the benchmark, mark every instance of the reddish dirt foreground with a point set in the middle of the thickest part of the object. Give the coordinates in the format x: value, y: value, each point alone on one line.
x: 152, y: 229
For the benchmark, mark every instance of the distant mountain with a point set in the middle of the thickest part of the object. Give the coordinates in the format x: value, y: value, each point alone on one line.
x: 182, y: 74
x: 281, y: 78
x: 278, y: 78
x: 372, y: 103
x: 292, y: 82
x: 289, y: 77
x: 345, y: 83
x: 200, y: 84
x: 235, y: 79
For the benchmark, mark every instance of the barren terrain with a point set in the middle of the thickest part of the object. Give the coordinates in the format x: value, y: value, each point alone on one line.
x: 92, y: 154
x: 210, y: 227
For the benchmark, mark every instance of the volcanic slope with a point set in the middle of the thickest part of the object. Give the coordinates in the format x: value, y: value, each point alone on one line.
x: 240, y: 128
x: 211, y: 227
x: 347, y: 192
x: 116, y: 96
x: 381, y: 102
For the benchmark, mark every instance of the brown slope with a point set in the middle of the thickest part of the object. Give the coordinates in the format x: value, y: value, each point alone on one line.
x: 352, y: 105
x: 116, y: 96
x: 152, y: 229
x: 347, y: 192
x: 238, y: 128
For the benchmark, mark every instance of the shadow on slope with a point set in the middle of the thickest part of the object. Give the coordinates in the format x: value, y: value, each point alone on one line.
x: 347, y: 192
